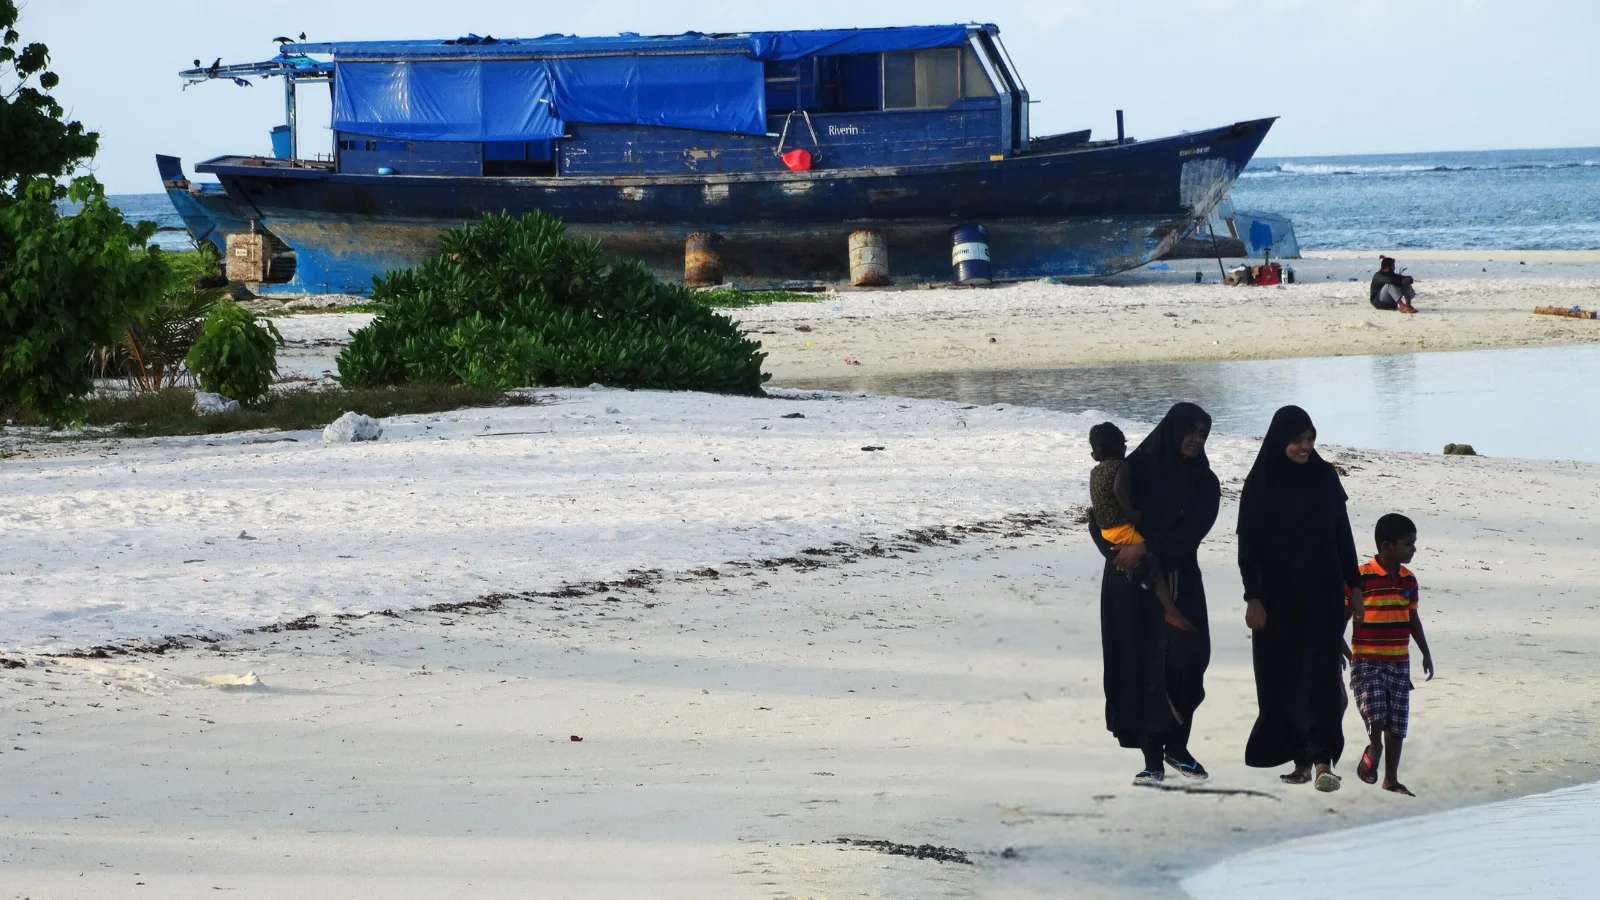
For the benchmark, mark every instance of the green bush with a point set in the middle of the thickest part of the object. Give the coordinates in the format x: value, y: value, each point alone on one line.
x: 69, y: 285
x: 236, y: 354
x: 511, y: 302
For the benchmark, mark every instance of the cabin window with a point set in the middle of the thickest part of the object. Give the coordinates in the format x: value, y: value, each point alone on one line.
x: 974, y: 80
x: 932, y: 79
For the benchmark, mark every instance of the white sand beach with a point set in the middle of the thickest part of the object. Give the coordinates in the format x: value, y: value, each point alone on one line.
x: 797, y: 641
x: 1162, y: 315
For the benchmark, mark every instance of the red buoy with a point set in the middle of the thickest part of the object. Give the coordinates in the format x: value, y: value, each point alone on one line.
x: 798, y: 160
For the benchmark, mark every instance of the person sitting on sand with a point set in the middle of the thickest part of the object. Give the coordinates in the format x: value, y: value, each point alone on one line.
x: 1111, y: 493
x: 1385, y: 620
x: 1390, y: 290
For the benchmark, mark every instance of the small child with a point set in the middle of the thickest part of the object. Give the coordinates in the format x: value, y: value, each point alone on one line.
x: 1385, y: 621
x: 1110, y: 493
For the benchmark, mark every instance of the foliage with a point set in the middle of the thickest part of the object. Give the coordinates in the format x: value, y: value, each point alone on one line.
x: 172, y: 412
x: 68, y: 285
x: 508, y: 302
x: 155, y: 346
x: 732, y: 299
x: 236, y: 354
x: 34, y: 141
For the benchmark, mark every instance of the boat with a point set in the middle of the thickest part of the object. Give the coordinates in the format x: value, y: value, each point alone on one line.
x: 1230, y: 232
x: 782, y: 143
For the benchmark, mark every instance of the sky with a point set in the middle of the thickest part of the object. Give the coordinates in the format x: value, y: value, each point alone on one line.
x: 1347, y: 76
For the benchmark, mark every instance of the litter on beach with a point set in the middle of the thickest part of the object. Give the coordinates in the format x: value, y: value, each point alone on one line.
x: 1576, y: 312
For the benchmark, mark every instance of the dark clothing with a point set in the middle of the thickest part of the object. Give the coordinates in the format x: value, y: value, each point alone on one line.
x: 1108, y: 512
x: 1154, y: 673
x: 1296, y: 556
x: 1381, y: 280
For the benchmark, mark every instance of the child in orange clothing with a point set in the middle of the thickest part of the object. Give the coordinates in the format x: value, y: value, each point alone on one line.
x: 1385, y: 620
x: 1110, y: 493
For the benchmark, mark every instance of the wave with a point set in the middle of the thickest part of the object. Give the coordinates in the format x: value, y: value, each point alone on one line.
x: 1350, y: 169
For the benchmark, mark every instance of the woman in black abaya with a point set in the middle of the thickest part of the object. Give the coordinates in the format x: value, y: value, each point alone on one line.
x: 1155, y: 672
x: 1297, y: 558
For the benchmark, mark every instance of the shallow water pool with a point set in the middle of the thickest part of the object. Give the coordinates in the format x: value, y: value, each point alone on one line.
x: 1539, y: 403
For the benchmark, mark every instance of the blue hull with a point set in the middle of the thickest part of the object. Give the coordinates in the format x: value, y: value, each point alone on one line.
x: 1080, y: 212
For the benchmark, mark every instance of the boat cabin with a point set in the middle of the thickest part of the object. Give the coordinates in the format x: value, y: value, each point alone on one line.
x: 691, y: 104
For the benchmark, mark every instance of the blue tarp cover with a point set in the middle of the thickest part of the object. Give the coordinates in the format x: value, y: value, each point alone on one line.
x: 765, y: 45
x: 774, y: 45
x: 705, y: 93
x: 469, y: 100
x: 514, y: 90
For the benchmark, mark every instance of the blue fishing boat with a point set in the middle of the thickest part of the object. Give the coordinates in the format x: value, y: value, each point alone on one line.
x: 782, y: 143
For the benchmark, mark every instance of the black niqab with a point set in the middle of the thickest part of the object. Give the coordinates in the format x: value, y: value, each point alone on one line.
x: 1163, y: 477
x: 1154, y: 673
x: 1296, y: 556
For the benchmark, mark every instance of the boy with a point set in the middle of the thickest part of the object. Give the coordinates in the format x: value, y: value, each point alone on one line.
x: 1385, y: 620
x: 1110, y: 493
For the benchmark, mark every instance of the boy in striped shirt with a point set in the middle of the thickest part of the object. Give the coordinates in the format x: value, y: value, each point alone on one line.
x: 1385, y: 620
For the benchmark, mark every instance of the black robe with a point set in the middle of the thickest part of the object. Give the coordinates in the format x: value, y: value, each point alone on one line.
x: 1154, y: 673
x: 1297, y: 556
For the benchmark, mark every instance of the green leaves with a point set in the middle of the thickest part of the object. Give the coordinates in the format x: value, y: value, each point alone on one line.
x: 34, y: 141
x: 236, y: 354
x: 68, y: 285
x: 511, y: 302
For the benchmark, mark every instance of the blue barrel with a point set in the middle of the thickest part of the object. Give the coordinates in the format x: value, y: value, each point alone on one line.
x: 969, y: 255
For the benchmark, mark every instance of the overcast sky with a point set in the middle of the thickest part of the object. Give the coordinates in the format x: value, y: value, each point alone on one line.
x: 1347, y: 76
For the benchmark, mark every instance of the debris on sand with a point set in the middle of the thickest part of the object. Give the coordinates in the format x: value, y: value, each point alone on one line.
x: 923, y: 851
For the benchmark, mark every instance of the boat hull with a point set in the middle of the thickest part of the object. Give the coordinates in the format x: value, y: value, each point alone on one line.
x: 1086, y: 212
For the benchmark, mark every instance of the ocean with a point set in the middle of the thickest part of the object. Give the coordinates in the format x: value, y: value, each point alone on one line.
x: 1497, y: 199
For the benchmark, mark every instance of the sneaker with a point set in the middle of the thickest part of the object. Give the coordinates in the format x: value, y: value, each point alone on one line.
x: 1191, y: 769
x: 1150, y: 778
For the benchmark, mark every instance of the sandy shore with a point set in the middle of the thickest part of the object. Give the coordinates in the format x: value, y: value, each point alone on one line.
x: 1160, y: 314
x: 737, y: 716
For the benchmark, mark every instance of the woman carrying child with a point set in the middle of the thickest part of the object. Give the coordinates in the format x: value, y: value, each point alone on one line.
x: 1155, y: 670
x: 1297, y: 558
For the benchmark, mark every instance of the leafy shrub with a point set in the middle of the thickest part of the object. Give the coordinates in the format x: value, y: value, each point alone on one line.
x: 511, y: 302
x: 68, y: 286
x: 236, y: 354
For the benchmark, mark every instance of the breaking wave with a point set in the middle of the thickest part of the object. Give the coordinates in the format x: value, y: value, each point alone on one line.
x: 1303, y: 169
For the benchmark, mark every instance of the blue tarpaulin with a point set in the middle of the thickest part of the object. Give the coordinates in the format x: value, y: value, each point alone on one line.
x: 775, y: 45
x: 469, y: 100
x: 522, y: 90
x: 720, y: 92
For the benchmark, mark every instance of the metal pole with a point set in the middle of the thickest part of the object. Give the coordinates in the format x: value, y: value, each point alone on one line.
x: 1217, y: 250
x: 1120, y: 138
x: 290, y: 117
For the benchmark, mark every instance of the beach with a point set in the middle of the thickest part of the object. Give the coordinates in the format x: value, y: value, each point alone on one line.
x: 1158, y: 315
x: 767, y: 637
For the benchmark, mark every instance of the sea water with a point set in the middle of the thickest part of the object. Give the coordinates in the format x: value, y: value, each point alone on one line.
x: 1499, y: 199
x: 1522, y: 403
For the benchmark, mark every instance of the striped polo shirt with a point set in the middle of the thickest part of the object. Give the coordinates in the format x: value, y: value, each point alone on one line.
x: 1390, y: 600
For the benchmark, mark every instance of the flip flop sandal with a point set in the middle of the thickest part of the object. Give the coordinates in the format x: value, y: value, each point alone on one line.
x: 1328, y: 782
x: 1298, y: 776
x: 1149, y: 778
x: 1367, y: 769
x: 1191, y: 769
x: 1400, y: 789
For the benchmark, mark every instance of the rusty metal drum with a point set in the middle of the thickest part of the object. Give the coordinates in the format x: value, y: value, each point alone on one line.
x: 869, y: 259
x: 702, y: 259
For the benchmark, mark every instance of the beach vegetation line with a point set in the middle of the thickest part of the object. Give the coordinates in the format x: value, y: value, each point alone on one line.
x: 171, y: 412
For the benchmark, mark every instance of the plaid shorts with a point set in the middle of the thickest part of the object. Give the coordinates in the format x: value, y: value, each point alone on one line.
x: 1383, y: 693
